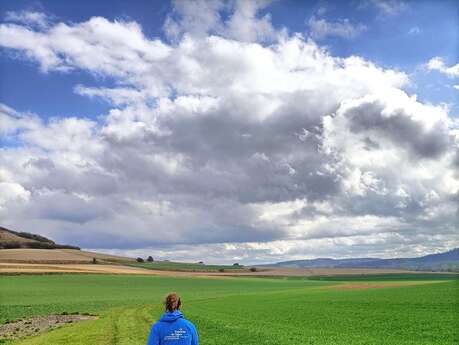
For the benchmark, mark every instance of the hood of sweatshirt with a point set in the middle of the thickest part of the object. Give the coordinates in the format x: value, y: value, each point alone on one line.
x: 171, y: 316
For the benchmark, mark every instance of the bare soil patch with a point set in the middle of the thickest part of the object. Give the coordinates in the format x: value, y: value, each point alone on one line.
x: 39, y: 324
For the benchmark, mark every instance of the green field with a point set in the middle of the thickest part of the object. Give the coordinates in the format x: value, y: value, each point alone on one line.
x: 246, y: 311
x: 185, y: 267
x: 390, y: 277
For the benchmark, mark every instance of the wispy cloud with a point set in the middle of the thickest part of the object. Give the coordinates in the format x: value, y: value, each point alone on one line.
x: 437, y: 64
x: 415, y: 30
x: 29, y: 18
x: 386, y: 7
x: 321, y: 28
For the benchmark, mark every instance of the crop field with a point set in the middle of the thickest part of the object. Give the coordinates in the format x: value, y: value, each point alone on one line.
x: 185, y: 267
x: 390, y: 277
x: 246, y: 311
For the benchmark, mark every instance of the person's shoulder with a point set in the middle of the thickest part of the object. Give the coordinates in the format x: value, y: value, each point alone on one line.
x: 189, y: 323
x: 156, y: 325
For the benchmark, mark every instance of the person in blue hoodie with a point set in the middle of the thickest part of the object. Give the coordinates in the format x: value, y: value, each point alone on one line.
x: 172, y: 328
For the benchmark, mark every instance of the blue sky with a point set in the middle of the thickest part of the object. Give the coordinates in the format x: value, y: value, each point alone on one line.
x: 403, y: 40
x: 254, y: 131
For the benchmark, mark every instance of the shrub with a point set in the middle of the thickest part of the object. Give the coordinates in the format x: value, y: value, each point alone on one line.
x: 221, y: 270
x: 150, y: 259
x: 66, y: 246
x: 33, y: 237
x: 10, y: 245
x: 253, y: 269
x: 139, y: 260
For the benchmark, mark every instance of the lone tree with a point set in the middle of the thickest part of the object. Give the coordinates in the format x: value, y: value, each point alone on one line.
x: 150, y: 259
x: 139, y: 260
x: 236, y: 264
x: 94, y: 260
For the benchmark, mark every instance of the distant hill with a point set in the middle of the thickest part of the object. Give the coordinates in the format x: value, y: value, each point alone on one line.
x: 10, y: 239
x: 448, y: 261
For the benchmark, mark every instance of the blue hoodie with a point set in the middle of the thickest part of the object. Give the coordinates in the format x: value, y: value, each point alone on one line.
x: 173, y: 329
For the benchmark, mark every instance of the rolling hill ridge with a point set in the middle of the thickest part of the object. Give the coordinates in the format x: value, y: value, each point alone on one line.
x: 10, y: 239
x: 447, y: 261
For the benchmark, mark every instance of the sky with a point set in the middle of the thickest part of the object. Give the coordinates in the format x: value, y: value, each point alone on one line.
x: 232, y: 131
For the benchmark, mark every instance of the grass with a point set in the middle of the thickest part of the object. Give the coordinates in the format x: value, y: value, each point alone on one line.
x: 249, y: 311
x: 185, y: 267
x: 25, y: 295
x: 390, y: 277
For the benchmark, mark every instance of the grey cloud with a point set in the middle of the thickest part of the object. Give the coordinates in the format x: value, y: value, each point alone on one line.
x: 456, y: 159
x: 220, y: 161
x: 65, y: 207
x: 40, y: 163
x: 398, y: 127
x: 60, y: 178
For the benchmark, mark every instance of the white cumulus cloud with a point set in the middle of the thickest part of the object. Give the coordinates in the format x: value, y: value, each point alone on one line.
x: 246, y: 142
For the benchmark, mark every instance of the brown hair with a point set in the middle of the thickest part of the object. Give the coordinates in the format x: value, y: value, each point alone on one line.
x: 172, y: 302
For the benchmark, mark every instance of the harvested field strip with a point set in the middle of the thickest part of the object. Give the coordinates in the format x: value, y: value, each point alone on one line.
x: 57, y: 256
x: 71, y: 268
